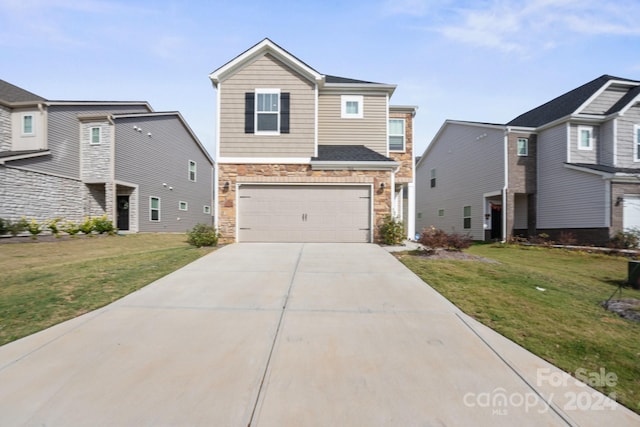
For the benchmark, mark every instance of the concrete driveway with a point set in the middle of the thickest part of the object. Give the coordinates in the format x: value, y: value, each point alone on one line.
x: 287, y: 335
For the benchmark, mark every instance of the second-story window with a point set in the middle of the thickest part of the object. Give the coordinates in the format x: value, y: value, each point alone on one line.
x: 27, y: 125
x: 192, y: 171
x: 267, y: 110
x: 636, y: 143
x: 585, y: 138
x: 396, y: 135
x: 352, y: 106
x: 95, y: 136
x: 433, y: 178
x: 523, y: 147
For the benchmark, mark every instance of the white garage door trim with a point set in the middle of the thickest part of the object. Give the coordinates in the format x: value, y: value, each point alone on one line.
x: 631, y: 211
x: 368, y: 186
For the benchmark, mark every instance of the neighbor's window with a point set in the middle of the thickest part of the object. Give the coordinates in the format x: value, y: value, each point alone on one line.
x: 267, y: 110
x: 523, y: 147
x: 636, y: 145
x: 433, y: 178
x: 154, y: 208
x: 396, y: 134
x: 206, y: 209
x: 27, y: 124
x: 192, y: 171
x: 467, y: 216
x: 183, y: 206
x: 419, y: 215
x: 440, y: 212
x: 585, y: 138
x: 352, y: 106
x: 95, y: 136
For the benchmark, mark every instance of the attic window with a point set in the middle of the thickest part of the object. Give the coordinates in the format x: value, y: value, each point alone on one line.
x: 585, y: 138
x: 352, y: 106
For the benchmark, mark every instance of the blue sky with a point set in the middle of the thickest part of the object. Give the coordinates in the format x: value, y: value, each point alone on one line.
x: 476, y: 60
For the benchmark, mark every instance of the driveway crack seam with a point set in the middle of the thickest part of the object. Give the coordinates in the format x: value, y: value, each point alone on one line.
x: 275, y: 339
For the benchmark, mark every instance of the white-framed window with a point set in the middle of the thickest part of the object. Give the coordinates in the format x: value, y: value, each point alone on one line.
x: 523, y: 147
x: 396, y: 135
x: 352, y: 106
x: 206, y: 209
x: 192, y: 170
x: 154, y: 208
x: 466, y: 217
x: 433, y: 178
x: 267, y: 111
x: 585, y: 138
x: 183, y: 206
x: 440, y: 212
x: 28, y: 125
x: 636, y: 143
x: 95, y: 135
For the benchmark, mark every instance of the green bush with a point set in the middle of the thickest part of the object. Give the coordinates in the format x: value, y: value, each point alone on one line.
x: 34, y: 228
x: 625, y: 239
x: 391, y: 231
x: 202, y: 235
x: 102, y: 225
x: 87, y: 226
x: 71, y: 228
x: 17, y: 227
x: 53, y: 225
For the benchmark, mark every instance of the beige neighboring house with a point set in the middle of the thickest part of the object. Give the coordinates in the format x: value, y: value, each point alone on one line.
x: 308, y: 157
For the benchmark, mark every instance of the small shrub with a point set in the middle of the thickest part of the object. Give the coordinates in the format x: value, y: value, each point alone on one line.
x: 34, y: 228
x: 87, y: 226
x: 458, y: 242
x: 102, y: 225
x: 625, y: 239
x: 435, y: 238
x: 541, y: 239
x: 17, y: 227
x: 391, y: 231
x: 53, y: 225
x: 202, y: 235
x: 71, y: 228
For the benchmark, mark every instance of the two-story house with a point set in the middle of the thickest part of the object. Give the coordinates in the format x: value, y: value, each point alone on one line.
x: 307, y: 157
x: 571, y: 165
x: 146, y: 170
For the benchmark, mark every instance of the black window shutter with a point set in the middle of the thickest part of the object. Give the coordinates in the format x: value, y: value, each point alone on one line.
x: 249, y: 111
x: 285, y: 98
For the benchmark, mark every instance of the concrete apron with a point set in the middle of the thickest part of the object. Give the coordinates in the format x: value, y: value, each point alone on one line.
x: 287, y: 335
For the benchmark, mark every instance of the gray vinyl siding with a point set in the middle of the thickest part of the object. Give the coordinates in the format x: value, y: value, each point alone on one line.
x: 5, y: 129
x: 566, y: 198
x: 468, y: 165
x: 267, y: 72
x: 584, y: 156
x: 606, y: 143
x: 163, y: 158
x: 626, y: 138
x: 64, y: 138
x: 605, y: 100
x: 370, y: 131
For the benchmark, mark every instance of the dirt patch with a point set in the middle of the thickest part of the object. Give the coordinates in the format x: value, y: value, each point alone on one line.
x: 443, y: 254
x: 628, y: 308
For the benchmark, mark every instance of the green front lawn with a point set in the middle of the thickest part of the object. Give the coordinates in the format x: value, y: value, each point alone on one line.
x: 563, y: 324
x: 45, y: 283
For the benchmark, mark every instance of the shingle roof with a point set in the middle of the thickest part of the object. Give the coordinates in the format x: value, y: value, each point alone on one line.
x: 563, y: 105
x: 344, y: 80
x: 12, y: 93
x: 348, y: 153
x: 607, y: 169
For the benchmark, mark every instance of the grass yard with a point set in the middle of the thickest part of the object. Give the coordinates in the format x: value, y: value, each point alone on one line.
x: 45, y: 283
x: 563, y: 324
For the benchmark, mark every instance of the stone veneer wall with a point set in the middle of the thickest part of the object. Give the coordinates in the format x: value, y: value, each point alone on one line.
x: 5, y: 129
x: 39, y: 196
x: 405, y: 172
x: 283, y: 174
x: 96, y: 159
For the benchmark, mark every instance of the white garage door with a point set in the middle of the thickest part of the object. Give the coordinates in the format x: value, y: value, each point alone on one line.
x: 304, y: 213
x: 631, y: 212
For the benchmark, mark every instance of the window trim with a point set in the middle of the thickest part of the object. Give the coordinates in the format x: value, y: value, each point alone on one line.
x: 466, y: 218
x: 441, y: 212
x: 181, y: 204
x: 32, y: 132
x: 206, y: 209
x: 151, y: 209
x: 344, y: 99
x: 526, y: 147
x: 91, y: 135
x: 278, y: 114
x: 195, y: 171
x: 591, y: 139
x: 403, y: 135
x: 636, y: 143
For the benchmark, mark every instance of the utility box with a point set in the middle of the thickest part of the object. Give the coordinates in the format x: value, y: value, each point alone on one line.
x: 634, y: 274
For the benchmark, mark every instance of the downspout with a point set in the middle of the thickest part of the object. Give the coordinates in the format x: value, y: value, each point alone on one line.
x: 114, y: 197
x: 216, y: 165
x: 505, y: 189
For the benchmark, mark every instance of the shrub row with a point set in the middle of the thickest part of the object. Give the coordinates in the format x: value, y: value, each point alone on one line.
x: 435, y: 238
x: 98, y: 224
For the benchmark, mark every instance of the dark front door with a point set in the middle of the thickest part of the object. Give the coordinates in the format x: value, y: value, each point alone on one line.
x: 496, y: 221
x: 123, y: 213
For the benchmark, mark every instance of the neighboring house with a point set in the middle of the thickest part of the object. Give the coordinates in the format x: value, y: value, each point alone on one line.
x: 571, y: 165
x: 145, y: 170
x: 308, y: 157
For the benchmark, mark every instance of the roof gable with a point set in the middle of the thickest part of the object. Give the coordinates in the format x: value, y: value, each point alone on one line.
x: 10, y: 94
x: 565, y: 104
x: 266, y: 46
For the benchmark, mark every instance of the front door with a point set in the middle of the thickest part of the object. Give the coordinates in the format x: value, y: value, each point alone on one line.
x: 496, y: 222
x: 123, y: 213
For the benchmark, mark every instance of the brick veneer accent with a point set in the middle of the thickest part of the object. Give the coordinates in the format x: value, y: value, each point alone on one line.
x: 298, y: 173
x: 405, y: 172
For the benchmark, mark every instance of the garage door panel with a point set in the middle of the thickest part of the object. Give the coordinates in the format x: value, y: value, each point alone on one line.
x: 270, y: 213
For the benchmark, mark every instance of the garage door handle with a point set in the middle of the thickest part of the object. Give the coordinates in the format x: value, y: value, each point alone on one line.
x: 304, y: 217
